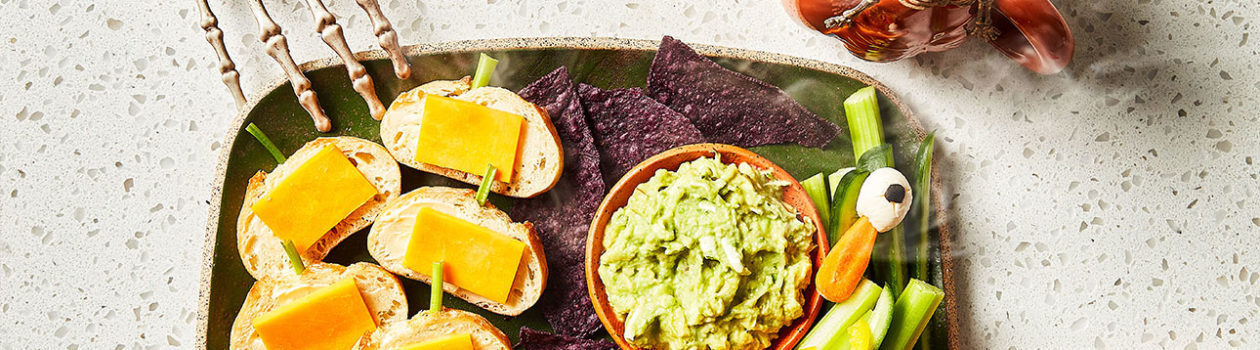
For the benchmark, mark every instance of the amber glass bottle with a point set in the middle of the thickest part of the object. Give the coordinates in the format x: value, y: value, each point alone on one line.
x: 1032, y: 32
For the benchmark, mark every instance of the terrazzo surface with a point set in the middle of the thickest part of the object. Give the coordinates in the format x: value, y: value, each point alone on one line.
x: 1110, y: 206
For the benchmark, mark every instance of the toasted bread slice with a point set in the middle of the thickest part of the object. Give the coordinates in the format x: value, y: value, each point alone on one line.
x: 381, y: 292
x: 388, y: 239
x: 539, y: 158
x: 426, y: 326
x: 262, y: 252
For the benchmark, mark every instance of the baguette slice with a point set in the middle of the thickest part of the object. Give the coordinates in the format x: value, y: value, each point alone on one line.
x: 540, y: 158
x: 425, y: 327
x: 260, y: 249
x: 381, y: 292
x: 387, y: 242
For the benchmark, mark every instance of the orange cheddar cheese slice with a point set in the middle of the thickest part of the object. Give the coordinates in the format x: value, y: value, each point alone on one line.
x: 475, y: 258
x: 313, y: 198
x: 461, y: 341
x: 466, y: 136
x: 334, y: 317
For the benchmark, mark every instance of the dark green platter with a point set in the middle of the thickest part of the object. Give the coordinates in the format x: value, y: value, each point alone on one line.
x: 604, y: 62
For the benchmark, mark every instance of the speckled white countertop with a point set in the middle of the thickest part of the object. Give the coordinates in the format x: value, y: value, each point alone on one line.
x: 1111, y: 206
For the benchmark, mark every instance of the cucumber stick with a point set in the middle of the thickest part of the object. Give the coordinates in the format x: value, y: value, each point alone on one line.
x: 831, y: 327
x: 844, y: 204
x: 881, y: 317
x: 911, y: 314
x: 833, y: 180
x: 816, y: 187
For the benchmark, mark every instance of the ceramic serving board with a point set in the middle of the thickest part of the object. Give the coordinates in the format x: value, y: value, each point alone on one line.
x: 603, y: 62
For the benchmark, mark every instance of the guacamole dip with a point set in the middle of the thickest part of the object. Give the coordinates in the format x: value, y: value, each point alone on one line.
x: 709, y: 257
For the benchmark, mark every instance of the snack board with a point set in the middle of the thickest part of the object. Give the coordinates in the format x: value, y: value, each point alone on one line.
x: 602, y: 63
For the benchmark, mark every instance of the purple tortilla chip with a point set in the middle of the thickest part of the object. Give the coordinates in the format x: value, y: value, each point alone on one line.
x: 538, y: 340
x: 629, y: 127
x: 563, y: 214
x: 730, y: 107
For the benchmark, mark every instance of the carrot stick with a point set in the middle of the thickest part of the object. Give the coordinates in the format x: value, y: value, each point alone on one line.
x: 842, y: 269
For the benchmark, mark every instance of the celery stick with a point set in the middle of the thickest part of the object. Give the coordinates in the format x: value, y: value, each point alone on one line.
x: 265, y: 141
x: 435, y: 288
x: 861, y: 109
x: 830, y: 328
x: 911, y: 314
x: 865, y: 127
x: 923, y: 204
x: 485, y: 68
x: 816, y: 187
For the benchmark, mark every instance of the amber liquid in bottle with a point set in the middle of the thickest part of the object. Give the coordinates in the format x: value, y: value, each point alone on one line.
x: 888, y: 30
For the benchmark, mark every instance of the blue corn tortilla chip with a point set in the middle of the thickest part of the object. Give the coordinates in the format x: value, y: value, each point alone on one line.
x: 538, y: 340
x: 629, y: 127
x: 562, y: 215
x: 729, y: 107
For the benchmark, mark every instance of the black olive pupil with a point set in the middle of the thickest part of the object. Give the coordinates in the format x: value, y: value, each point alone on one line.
x: 895, y: 193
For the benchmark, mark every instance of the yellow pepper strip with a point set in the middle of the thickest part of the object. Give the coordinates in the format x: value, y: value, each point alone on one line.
x: 860, y: 335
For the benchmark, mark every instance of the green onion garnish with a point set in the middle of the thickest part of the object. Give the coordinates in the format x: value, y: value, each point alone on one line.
x: 483, y: 190
x: 896, y: 259
x: 294, y: 258
x: 923, y: 203
x: 922, y: 209
x: 485, y: 68
x: 266, y: 142
x: 435, y: 294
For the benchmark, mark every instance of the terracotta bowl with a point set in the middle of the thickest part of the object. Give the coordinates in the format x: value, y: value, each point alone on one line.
x: 794, y: 195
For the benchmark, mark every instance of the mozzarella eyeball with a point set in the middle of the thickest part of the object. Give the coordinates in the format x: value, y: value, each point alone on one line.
x: 885, y: 198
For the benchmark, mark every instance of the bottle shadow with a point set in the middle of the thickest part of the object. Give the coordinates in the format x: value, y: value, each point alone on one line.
x: 1126, y: 73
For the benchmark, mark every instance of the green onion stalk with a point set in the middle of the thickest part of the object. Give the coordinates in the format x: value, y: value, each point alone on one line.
x: 435, y: 284
x: 485, y: 68
x: 265, y: 141
x: 487, y: 180
x: 295, y: 259
x: 923, y: 204
x: 922, y: 211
